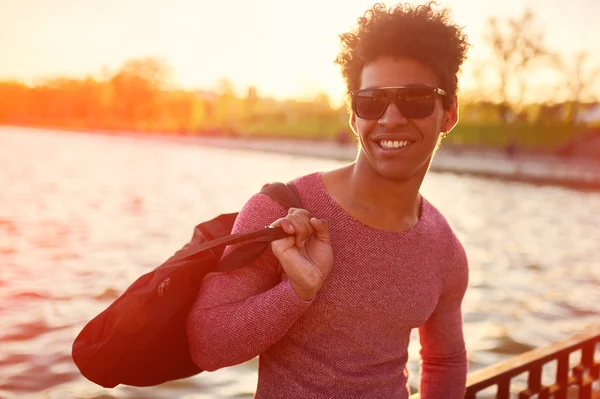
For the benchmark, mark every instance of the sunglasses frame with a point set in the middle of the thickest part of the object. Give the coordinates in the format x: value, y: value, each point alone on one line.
x: 435, y: 90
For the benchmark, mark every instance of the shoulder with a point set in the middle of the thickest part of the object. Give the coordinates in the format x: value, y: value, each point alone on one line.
x: 260, y: 210
x: 257, y: 213
x: 436, y: 221
x: 308, y: 183
x: 447, y: 241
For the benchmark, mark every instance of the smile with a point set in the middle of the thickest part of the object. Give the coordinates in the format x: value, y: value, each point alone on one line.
x: 389, y: 144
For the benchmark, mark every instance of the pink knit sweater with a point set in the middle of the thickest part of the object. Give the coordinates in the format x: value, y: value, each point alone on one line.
x: 351, y: 340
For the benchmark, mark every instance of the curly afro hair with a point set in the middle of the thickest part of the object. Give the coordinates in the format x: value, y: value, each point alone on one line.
x: 417, y: 32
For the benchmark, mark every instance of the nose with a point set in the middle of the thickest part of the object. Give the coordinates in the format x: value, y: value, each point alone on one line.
x: 392, y: 117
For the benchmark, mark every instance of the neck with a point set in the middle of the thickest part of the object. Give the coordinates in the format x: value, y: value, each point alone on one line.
x: 384, y: 203
x: 391, y: 197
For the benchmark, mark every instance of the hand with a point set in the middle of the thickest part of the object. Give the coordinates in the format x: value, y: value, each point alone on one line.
x: 306, y: 256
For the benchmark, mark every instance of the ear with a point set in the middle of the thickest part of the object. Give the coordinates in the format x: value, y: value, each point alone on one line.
x: 353, y: 124
x: 450, y: 116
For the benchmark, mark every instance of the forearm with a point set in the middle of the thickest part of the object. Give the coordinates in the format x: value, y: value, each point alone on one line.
x: 230, y: 334
x: 443, y: 355
x: 444, y: 377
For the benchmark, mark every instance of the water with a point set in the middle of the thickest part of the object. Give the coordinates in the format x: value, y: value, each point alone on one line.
x: 82, y: 216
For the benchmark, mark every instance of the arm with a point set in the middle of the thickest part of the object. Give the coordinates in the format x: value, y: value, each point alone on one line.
x: 443, y: 353
x: 239, y: 314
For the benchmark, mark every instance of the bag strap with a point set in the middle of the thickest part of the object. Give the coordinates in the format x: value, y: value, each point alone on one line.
x: 286, y: 194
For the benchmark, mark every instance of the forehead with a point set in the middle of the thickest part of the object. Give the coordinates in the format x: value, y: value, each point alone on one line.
x: 386, y: 71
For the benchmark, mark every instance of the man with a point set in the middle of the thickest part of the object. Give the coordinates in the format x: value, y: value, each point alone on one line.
x: 329, y: 310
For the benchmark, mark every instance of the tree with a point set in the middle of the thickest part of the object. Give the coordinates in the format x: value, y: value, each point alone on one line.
x: 226, y: 109
x: 250, y: 103
x: 15, y: 100
x: 137, y: 88
x: 516, y: 45
x: 579, y: 81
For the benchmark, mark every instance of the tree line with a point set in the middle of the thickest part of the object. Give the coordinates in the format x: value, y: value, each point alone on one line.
x: 138, y: 95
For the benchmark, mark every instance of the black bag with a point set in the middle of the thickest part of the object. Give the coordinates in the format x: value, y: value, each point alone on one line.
x: 140, y: 339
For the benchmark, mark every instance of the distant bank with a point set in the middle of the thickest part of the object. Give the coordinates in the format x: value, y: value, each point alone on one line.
x: 529, y: 168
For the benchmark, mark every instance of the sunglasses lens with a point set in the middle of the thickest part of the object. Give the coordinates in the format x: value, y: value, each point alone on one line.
x: 370, y: 104
x: 416, y: 102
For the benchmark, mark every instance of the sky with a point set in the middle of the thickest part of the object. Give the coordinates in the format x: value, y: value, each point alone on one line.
x: 285, y: 48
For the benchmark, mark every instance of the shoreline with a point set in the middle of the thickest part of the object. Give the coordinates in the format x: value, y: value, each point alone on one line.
x: 542, y: 170
x: 532, y: 169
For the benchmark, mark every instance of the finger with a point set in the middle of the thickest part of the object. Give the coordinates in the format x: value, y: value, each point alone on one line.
x: 299, y: 210
x: 321, y: 229
x: 285, y: 224
x: 302, y: 227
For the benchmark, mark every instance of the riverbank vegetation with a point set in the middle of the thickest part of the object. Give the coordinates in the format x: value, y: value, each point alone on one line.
x: 139, y: 97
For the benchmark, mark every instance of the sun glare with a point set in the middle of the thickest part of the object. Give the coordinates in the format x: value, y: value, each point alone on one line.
x: 284, y: 48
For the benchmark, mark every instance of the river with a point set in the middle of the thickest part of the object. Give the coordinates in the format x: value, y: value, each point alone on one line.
x: 82, y: 216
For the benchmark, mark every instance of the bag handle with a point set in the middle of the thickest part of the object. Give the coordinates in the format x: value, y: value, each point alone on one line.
x: 287, y: 196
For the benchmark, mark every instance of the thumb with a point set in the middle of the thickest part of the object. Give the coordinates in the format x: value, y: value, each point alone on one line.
x: 282, y: 245
x: 321, y: 229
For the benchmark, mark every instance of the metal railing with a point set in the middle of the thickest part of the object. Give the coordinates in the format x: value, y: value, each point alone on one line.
x: 571, y: 380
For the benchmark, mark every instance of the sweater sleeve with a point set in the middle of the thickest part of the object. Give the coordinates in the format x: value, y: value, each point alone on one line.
x: 237, y: 315
x: 443, y: 352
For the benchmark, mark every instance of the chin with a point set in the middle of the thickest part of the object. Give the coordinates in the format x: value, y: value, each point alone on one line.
x: 396, y: 175
x: 401, y: 171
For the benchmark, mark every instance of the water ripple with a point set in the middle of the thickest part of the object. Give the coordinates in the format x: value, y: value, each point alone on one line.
x: 77, y: 231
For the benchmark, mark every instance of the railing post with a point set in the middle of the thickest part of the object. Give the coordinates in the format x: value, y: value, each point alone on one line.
x: 534, y: 382
x: 562, y: 377
x: 583, y: 371
x: 503, y: 389
x: 471, y: 395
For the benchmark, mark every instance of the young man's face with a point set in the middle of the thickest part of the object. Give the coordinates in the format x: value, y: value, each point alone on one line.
x: 394, y: 145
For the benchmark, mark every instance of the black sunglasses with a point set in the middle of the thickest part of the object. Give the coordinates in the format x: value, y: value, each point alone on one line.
x: 412, y: 101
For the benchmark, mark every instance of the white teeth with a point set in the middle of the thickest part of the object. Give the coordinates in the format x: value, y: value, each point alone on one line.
x: 393, y: 144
